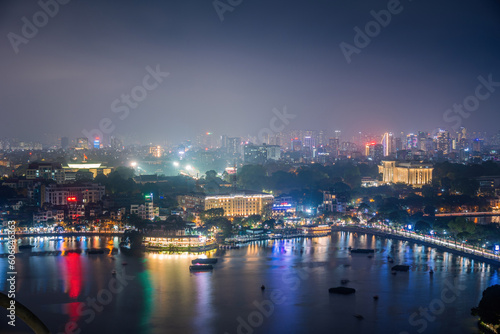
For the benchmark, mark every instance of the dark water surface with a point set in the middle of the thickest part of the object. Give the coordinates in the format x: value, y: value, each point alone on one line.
x: 157, y: 293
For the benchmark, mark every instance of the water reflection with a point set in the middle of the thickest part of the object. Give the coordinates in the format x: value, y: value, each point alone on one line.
x: 163, y: 296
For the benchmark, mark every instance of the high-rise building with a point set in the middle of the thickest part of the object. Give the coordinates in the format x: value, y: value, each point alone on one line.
x: 421, y: 140
x: 64, y: 143
x: 296, y: 144
x: 82, y: 143
x: 388, y: 143
x: 156, y: 151
x: 398, y: 144
x: 411, y: 141
x: 443, y: 141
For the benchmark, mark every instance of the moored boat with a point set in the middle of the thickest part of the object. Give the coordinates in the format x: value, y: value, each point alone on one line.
x: 204, y: 261
x: 362, y: 250
x: 201, y: 267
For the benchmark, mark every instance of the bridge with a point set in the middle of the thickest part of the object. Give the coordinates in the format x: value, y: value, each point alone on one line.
x: 478, y: 253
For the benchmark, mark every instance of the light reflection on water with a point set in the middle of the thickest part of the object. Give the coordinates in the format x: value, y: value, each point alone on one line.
x: 164, y: 296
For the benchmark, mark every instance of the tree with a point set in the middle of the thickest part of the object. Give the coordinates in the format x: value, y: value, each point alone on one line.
x: 461, y: 228
x: 252, y: 177
x: 422, y: 227
x: 489, y: 307
x: 253, y: 219
x: 211, y: 213
x: 270, y: 223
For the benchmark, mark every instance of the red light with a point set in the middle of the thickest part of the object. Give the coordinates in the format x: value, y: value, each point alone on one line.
x: 71, y: 199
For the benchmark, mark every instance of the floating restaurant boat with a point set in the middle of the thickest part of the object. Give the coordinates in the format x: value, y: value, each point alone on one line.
x: 205, y: 261
x: 201, y: 267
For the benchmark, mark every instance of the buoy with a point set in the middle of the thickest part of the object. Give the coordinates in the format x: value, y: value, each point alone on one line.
x: 375, y: 297
x: 263, y: 287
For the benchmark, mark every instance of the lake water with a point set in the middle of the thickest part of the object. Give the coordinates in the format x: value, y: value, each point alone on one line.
x: 157, y: 293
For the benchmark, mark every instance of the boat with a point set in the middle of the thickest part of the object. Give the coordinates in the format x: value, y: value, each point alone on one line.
x: 431, y: 271
x: 342, y: 290
x: 390, y: 261
x: 362, y: 250
x: 359, y: 316
x: 26, y: 247
x: 204, y: 261
x: 113, y: 272
x: 344, y: 281
x: 124, y: 263
x: 95, y: 251
x: 400, y: 267
x: 201, y: 267
x: 375, y: 297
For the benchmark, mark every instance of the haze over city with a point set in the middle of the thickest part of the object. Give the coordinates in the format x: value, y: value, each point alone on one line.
x: 227, y: 76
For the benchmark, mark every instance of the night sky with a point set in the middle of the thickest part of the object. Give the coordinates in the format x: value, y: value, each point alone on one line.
x: 227, y: 76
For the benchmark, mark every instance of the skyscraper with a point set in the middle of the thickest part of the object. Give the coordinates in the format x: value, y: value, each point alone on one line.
x: 388, y: 143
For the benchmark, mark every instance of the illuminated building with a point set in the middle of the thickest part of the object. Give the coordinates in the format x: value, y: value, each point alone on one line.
x: 411, y: 173
x: 93, y: 167
x: 296, y: 145
x: 156, y: 151
x: 374, y: 150
x: 411, y: 141
x: 191, y: 202
x: 46, y: 171
x: 284, y: 204
x: 443, y: 141
x: 239, y: 205
x: 82, y: 143
x: 57, y: 194
x: 254, y: 154
x: 97, y: 143
x: 146, y: 210
x: 388, y: 144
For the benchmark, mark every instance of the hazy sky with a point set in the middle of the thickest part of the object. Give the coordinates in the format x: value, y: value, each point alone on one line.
x: 227, y: 76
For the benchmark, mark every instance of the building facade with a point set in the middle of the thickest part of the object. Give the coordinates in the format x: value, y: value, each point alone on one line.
x: 240, y: 205
x: 410, y: 173
x: 56, y: 194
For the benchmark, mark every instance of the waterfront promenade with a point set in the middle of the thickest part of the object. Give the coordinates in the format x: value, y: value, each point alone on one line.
x: 64, y: 234
x: 477, y: 253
